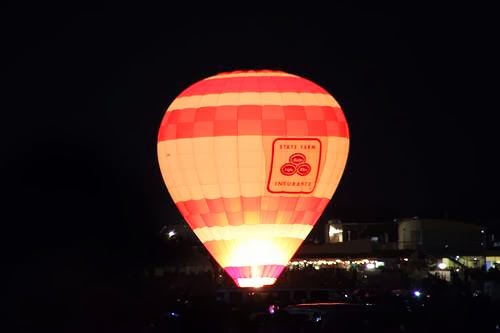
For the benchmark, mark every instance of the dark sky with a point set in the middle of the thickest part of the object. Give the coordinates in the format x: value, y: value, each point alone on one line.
x: 84, y: 90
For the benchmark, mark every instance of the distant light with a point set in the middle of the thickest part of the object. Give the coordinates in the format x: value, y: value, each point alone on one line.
x: 457, y: 257
x: 482, y: 231
x: 417, y: 293
x: 441, y: 265
x: 171, y: 233
x: 475, y: 258
x: 370, y: 266
x: 405, y: 259
x: 457, y: 270
x: 446, y: 246
x: 272, y: 308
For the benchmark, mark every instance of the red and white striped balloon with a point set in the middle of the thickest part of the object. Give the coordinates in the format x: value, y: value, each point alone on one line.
x: 251, y: 159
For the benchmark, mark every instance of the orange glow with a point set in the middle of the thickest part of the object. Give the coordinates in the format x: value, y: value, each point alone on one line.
x: 254, y: 251
x: 251, y: 159
x: 255, y: 282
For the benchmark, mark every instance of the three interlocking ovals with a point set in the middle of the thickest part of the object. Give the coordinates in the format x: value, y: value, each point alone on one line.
x: 297, y: 165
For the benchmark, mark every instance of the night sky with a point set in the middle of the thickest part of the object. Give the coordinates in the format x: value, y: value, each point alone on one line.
x: 84, y: 90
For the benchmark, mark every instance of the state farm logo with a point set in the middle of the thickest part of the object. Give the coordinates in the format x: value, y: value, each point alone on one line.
x: 296, y: 165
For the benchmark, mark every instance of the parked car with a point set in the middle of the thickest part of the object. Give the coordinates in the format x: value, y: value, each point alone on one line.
x: 337, y: 317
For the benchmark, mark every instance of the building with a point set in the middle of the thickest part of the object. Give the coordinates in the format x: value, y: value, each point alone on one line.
x: 440, y: 237
x: 351, y: 244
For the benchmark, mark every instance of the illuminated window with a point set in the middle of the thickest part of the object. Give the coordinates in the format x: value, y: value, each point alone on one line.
x: 335, y: 234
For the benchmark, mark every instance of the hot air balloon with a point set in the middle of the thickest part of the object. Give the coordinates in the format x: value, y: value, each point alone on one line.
x: 251, y: 159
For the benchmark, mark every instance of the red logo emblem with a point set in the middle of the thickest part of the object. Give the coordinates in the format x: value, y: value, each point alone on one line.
x: 297, y: 165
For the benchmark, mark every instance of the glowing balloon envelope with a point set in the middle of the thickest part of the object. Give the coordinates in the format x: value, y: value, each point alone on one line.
x: 251, y: 159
